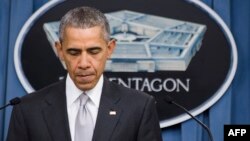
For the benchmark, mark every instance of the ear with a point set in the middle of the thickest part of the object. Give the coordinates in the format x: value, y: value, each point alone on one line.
x: 59, y: 50
x: 111, y: 47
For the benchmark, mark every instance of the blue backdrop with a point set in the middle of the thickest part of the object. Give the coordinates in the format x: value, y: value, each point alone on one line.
x: 232, y: 108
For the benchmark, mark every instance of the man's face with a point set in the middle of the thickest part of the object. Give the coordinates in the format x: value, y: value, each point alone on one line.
x: 85, y: 52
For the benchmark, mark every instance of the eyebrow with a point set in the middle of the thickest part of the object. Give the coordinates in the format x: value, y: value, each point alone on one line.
x: 73, y: 49
x: 95, y: 47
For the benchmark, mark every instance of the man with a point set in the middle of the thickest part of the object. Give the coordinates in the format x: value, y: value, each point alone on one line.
x: 115, y: 113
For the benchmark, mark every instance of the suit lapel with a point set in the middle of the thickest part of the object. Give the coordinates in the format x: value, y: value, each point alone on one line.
x: 55, y: 114
x: 108, y: 115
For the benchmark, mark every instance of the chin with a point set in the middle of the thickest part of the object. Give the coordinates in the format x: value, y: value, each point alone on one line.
x: 86, y: 87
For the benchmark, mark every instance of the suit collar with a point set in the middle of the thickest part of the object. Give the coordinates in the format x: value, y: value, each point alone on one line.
x: 109, y: 113
x: 55, y: 112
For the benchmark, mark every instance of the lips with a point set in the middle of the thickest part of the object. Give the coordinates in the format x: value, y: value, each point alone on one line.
x: 85, y: 78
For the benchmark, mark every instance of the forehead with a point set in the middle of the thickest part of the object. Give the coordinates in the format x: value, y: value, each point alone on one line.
x: 87, y: 37
x: 93, y: 34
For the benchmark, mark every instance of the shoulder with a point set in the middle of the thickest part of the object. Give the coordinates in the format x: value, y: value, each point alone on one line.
x: 36, y: 97
x: 135, y: 104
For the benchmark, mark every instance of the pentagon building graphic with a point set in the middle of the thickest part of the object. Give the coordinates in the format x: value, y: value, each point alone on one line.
x: 146, y: 43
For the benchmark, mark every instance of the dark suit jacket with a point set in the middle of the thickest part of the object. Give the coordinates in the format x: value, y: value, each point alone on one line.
x: 42, y: 116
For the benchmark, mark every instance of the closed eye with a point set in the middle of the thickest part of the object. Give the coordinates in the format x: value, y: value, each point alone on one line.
x: 74, y: 52
x: 94, y: 50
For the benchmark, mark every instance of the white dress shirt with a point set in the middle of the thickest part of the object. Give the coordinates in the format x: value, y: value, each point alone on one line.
x: 72, y: 93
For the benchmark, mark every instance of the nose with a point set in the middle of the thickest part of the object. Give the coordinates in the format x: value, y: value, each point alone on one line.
x: 84, y: 61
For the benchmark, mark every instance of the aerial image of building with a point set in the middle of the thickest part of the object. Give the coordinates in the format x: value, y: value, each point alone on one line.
x: 146, y: 43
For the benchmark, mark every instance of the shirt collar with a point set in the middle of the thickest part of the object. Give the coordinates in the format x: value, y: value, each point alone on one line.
x: 72, y: 92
